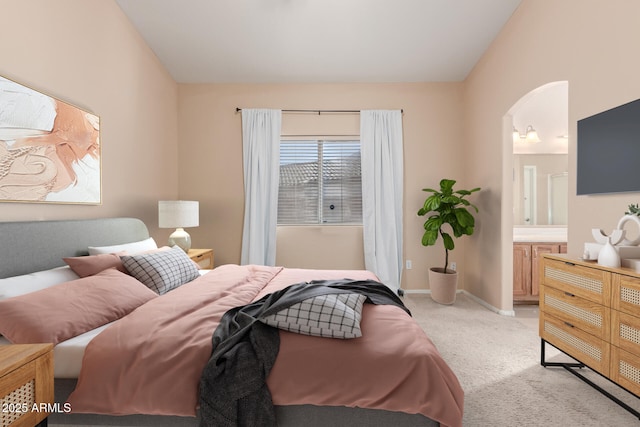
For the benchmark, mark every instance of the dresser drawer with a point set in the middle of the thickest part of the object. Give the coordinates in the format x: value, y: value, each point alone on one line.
x: 625, y: 369
x: 584, y: 347
x: 583, y: 314
x: 626, y: 294
x: 625, y: 331
x: 589, y: 283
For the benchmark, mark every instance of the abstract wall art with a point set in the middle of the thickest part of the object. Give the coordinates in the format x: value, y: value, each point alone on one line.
x: 49, y: 150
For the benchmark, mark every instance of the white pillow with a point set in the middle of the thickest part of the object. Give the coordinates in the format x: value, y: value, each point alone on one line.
x: 330, y: 316
x: 143, y: 245
x: 27, y: 283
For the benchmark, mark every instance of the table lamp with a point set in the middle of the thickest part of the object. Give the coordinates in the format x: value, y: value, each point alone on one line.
x: 178, y: 214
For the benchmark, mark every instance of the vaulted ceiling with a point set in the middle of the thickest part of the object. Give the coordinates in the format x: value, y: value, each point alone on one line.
x: 318, y: 41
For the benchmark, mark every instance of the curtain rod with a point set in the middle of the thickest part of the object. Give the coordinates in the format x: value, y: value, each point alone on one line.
x: 238, y: 109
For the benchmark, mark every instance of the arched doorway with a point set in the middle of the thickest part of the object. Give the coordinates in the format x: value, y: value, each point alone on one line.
x: 536, y: 186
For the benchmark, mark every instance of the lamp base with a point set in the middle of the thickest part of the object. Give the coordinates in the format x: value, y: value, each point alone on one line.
x: 180, y: 238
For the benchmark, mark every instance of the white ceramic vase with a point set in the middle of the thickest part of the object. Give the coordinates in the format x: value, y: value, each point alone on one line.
x: 608, y: 255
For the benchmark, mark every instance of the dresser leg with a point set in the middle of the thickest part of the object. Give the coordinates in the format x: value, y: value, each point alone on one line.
x: 605, y: 392
x: 565, y: 365
x: 570, y: 367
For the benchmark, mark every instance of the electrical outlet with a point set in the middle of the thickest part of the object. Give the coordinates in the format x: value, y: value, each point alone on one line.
x: 409, y: 266
x: 453, y: 266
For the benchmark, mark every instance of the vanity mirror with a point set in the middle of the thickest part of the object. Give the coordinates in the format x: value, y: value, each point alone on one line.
x: 540, y: 189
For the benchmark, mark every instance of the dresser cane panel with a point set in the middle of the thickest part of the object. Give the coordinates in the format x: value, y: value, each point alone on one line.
x: 588, y: 283
x: 578, y: 312
x: 586, y: 348
x: 625, y: 369
x: 626, y: 294
x: 625, y: 331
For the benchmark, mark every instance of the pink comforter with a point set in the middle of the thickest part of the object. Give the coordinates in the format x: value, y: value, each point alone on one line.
x: 150, y: 361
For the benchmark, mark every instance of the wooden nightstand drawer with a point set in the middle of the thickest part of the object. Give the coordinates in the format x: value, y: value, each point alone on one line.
x: 26, y: 379
x: 626, y: 294
x: 582, y: 346
x: 625, y: 369
x: 589, y: 283
x: 202, y: 257
x: 578, y: 312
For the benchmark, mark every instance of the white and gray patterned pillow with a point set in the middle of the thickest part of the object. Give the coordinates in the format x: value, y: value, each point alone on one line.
x: 331, y: 316
x: 161, y: 271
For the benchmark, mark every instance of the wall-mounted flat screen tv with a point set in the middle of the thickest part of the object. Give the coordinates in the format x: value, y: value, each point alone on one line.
x: 608, y: 151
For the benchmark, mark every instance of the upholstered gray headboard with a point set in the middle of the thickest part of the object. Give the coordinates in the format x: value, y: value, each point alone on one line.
x: 30, y: 246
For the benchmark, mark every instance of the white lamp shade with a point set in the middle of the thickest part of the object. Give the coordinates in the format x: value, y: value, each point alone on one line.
x: 178, y: 213
x: 532, y: 135
x: 516, y: 135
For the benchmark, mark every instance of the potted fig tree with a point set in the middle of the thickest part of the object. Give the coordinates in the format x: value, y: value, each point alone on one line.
x: 447, y: 212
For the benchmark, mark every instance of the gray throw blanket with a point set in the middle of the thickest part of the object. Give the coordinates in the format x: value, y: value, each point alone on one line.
x: 233, y: 390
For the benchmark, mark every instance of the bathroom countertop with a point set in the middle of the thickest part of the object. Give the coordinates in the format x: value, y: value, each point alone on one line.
x: 540, y: 234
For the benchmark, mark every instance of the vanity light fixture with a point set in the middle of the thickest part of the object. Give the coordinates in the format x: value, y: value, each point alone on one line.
x: 530, y: 136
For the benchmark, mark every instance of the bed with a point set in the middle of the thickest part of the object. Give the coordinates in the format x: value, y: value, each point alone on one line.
x: 391, y: 375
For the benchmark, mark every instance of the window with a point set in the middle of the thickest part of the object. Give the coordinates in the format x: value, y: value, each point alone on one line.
x: 304, y: 198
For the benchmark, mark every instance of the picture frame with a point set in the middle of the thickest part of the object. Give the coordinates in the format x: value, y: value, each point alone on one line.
x: 50, y: 151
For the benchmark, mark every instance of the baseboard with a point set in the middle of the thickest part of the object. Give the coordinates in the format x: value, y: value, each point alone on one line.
x: 489, y: 306
x: 471, y: 296
x: 417, y: 291
x: 424, y: 291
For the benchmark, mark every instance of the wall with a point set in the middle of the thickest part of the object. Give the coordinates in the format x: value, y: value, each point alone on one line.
x: 211, y: 163
x: 586, y: 43
x: 89, y: 55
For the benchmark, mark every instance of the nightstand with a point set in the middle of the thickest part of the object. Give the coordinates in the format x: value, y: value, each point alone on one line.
x: 26, y: 384
x: 202, y: 257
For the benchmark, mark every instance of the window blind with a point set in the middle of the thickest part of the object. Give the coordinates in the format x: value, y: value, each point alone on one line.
x: 320, y: 182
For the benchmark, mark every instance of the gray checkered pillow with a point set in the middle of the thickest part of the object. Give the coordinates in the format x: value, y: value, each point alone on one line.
x: 331, y: 316
x: 161, y: 271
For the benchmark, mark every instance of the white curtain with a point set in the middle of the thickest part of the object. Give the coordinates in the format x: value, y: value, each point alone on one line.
x: 261, y: 158
x: 382, y: 179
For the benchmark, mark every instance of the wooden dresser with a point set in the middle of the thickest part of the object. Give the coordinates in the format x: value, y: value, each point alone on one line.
x: 592, y: 313
x: 26, y: 384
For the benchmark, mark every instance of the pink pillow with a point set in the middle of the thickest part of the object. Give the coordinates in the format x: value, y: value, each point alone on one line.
x: 69, y: 309
x: 85, y: 266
